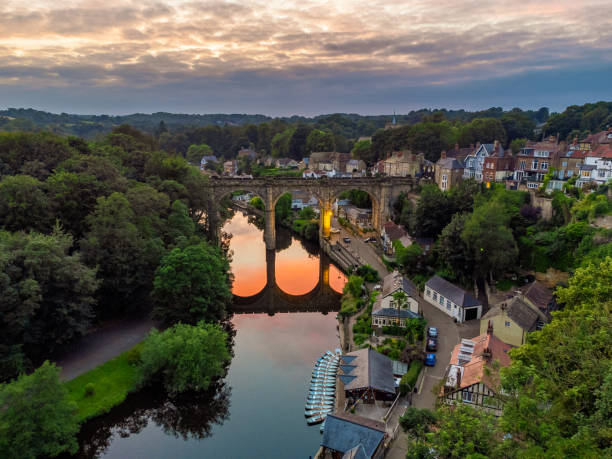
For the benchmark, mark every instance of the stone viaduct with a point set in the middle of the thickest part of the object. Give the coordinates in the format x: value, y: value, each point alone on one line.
x: 382, y: 190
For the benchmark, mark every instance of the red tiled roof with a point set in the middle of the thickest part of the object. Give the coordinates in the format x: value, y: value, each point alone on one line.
x: 394, y: 231
x: 474, y: 370
x: 602, y: 151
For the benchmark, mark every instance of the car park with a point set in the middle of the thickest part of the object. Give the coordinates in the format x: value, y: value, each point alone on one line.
x: 432, y: 332
x: 430, y: 360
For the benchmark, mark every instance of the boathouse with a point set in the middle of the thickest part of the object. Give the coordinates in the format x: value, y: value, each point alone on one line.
x: 367, y: 375
x: 350, y: 436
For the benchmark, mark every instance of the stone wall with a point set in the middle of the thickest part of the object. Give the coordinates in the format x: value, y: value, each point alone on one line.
x: 544, y: 203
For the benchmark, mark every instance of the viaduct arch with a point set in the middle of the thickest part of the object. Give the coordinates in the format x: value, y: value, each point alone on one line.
x: 383, y: 190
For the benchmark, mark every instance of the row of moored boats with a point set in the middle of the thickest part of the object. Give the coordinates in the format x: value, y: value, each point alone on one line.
x: 322, y: 393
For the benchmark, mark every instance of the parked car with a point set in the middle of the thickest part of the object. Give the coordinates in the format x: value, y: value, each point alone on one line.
x: 432, y: 332
x: 430, y: 360
x: 432, y: 345
x: 347, y: 240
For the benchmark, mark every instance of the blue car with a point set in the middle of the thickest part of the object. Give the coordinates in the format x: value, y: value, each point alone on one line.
x: 430, y: 360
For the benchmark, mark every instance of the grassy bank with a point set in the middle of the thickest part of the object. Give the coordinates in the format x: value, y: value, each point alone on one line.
x: 104, y: 387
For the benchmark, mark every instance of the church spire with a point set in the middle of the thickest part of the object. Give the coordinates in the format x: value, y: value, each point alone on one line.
x: 393, y: 121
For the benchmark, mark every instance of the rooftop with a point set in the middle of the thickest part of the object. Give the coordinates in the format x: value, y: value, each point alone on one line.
x: 517, y: 310
x: 538, y: 294
x: 470, y: 357
x: 367, y: 368
x: 344, y: 432
x: 395, y: 281
x: 456, y: 294
x: 394, y: 231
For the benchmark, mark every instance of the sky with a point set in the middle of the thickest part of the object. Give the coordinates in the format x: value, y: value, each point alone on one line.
x: 306, y: 57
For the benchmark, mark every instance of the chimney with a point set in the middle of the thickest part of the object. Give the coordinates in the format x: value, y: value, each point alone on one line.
x: 443, y: 154
x: 490, y: 328
x: 575, y: 140
x: 472, y: 146
x: 495, y: 145
x: 487, y: 354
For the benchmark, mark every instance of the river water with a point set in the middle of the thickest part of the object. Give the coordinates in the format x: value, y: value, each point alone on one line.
x: 257, y: 411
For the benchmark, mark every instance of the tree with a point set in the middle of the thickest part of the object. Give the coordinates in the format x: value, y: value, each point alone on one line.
x: 46, y: 297
x: 461, y: 431
x: 354, y: 286
x: 432, y: 213
x: 484, y: 130
x: 319, y: 140
x: 196, y: 152
x: 517, y: 125
x: 363, y: 150
x: 192, y: 284
x: 37, y: 418
x: 417, y: 422
x: 454, y: 252
x: 517, y: 145
x: 307, y: 213
x: 489, y: 241
x: 283, y: 207
x: 297, y: 144
x: 184, y: 357
x: 24, y: 204
x: 408, y: 257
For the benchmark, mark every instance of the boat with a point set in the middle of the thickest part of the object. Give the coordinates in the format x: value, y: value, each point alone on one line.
x: 328, y: 399
x: 316, y: 419
x: 318, y: 407
x: 326, y: 393
x: 323, y: 385
x: 310, y: 413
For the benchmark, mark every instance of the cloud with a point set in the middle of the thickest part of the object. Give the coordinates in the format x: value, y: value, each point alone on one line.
x: 360, y: 49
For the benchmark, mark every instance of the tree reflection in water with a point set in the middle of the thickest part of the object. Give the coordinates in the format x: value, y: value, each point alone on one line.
x: 188, y: 415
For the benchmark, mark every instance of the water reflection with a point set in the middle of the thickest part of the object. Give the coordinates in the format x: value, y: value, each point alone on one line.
x: 189, y: 415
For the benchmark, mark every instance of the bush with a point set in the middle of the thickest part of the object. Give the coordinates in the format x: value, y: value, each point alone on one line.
x: 354, y: 286
x: 90, y: 389
x: 184, y: 357
x: 133, y: 355
x: 368, y: 273
x: 409, y: 380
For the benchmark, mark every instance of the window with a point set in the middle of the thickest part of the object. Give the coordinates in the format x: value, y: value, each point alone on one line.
x: 522, y: 165
x: 602, y: 173
x: 428, y: 292
x: 532, y: 185
x: 564, y: 163
x: 544, y: 166
x: 534, y: 164
x: 468, y: 396
x: 570, y: 173
x: 435, y: 296
x: 507, y: 323
x: 448, y: 304
x: 441, y: 300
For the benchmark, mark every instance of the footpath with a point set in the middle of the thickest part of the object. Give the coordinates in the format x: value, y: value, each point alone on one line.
x: 102, y: 344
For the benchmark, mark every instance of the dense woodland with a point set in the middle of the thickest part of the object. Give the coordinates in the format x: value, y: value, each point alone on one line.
x: 85, y: 227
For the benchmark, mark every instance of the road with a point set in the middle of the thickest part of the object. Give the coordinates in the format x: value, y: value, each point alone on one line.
x: 358, y: 247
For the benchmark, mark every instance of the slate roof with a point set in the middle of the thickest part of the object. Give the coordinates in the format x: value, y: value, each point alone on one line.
x: 394, y: 231
x: 358, y: 452
x: 450, y: 163
x: 395, y: 280
x: 370, y: 369
x: 344, y: 432
x: 538, y: 294
x: 518, y: 311
x: 456, y: 294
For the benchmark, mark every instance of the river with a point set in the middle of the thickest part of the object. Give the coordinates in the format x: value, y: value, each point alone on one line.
x: 257, y: 411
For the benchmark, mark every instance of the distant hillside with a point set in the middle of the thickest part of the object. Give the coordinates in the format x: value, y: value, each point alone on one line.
x: 347, y: 124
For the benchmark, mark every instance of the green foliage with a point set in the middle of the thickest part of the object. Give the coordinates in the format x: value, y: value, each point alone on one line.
x: 283, y: 208
x: 307, y: 213
x: 460, y: 431
x: 417, y: 422
x: 433, y: 212
x: 354, y: 286
x: 319, y: 140
x: 192, y: 284
x: 409, y: 380
x: 184, y: 357
x: 309, y: 229
x: 196, y: 152
x: 358, y: 198
x: 368, y: 273
x: 392, y: 348
x: 113, y: 381
x: 37, y: 418
x: 558, y: 382
x: 24, y: 204
x: 517, y: 145
x: 362, y: 149
x: 484, y: 130
x: 409, y: 258
x: 46, y: 297
x: 257, y: 203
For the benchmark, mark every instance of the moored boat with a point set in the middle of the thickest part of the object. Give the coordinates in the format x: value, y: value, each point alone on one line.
x: 316, y: 419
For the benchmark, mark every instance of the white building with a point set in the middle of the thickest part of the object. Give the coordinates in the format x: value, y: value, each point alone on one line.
x: 452, y: 300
